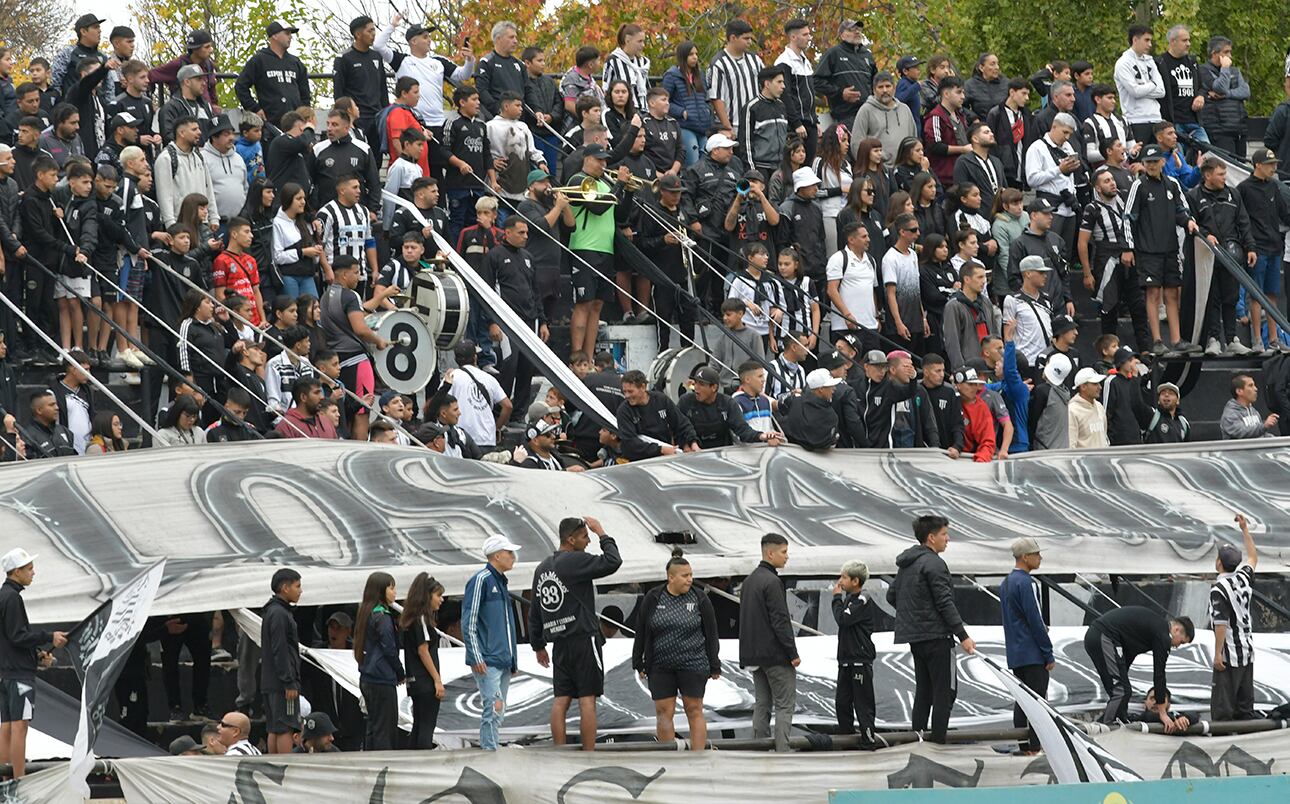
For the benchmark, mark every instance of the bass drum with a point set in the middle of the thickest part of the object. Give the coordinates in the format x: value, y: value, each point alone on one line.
x: 443, y: 300
x: 409, y: 361
x: 672, y: 369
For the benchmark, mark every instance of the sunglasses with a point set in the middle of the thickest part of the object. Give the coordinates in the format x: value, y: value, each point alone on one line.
x: 912, y: 231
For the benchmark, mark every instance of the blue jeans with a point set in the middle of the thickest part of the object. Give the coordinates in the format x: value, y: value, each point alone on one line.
x: 1194, y: 130
x: 493, y: 685
x: 297, y: 286
x: 461, y: 211
x: 693, y: 145
x: 550, y: 148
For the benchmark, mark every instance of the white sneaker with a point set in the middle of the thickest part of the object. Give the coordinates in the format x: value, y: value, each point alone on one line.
x: 130, y: 358
x: 1213, y: 348
x: 1238, y: 348
x: 143, y: 358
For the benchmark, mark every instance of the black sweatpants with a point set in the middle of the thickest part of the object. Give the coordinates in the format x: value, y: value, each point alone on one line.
x: 1108, y: 658
x: 936, y: 685
x: 425, y: 715
x: 1035, y: 677
x: 382, y: 703
x: 38, y: 303
x: 1119, y: 292
x: 1232, y: 694
x: 1220, y: 312
x: 197, y: 638
x: 855, y: 699
x: 669, y: 307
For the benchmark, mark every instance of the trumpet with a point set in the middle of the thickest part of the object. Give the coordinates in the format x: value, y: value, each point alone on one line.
x: 587, y: 190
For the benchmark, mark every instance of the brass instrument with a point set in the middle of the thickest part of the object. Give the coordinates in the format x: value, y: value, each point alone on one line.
x: 587, y: 191
x: 743, y: 186
x: 635, y: 184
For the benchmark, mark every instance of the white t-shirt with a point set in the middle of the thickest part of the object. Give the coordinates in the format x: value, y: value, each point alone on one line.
x: 476, y: 400
x: 78, y: 421
x: 859, y: 277
x: 1034, y: 324
x: 744, y: 288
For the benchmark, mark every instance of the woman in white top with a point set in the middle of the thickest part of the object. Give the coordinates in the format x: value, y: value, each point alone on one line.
x: 833, y: 166
x: 296, y: 252
x: 179, y: 427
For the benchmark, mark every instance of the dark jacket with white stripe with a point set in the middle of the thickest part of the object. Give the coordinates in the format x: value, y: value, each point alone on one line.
x: 763, y: 133
x: 336, y: 158
x: 1152, y: 211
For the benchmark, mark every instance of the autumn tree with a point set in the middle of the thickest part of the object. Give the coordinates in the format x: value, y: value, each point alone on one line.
x: 34, y: 28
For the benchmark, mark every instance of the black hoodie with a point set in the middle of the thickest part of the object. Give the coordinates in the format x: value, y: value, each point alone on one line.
x: 281, y: 84
x: 18, y: 641
x: 854, y: 616
x: 809, y: 421
x: 659, y: 419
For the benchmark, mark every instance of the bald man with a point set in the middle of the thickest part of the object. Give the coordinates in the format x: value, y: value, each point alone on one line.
x: 234, y: 729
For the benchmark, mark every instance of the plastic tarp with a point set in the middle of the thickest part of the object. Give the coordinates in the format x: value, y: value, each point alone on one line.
x: 226, y: 516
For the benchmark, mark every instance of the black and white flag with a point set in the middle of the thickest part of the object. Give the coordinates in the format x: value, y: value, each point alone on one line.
x: 98, y: 648
x: 1073, y: 756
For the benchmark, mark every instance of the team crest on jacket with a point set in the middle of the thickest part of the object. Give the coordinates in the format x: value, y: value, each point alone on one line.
x: 689, y: 607
x: 329, y: 161
x: 353, y: 161
x: 1164, y: 428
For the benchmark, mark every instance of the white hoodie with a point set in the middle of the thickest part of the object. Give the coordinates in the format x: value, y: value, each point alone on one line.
x: 1140, y: 86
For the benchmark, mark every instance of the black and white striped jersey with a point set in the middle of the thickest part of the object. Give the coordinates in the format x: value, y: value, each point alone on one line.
x: 346, y: 231
x: 1229, y: 604
x: 733, y: 81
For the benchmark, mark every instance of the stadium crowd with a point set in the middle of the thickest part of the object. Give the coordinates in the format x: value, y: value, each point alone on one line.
x: 902, y: 270
x: 925, y: 221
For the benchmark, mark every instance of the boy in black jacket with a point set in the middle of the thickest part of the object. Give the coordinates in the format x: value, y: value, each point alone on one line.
x: 80, y: 227
x: 853, y: 612
x: 46, y: 245
x: 425, y: 195
x: 466, y: 152
x: 280, y: 661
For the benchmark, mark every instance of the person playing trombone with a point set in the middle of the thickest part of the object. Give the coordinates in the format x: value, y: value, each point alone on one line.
x: 593, y: 215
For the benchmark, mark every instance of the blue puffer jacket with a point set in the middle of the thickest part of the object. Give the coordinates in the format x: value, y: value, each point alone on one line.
x: 488, y: 620
x: 688, y: 104
x: 380, y: 663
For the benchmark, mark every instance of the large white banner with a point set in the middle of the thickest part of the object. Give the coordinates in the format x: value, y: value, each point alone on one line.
x: 225, y: 516
x: 547, y: 776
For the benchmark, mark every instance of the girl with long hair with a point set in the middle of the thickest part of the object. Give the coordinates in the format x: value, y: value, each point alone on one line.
x: 376, y: 648
x: 179, y: 425
x: 802, y: 309
x: 931, y: 217
x: 106, y: 434
x: 860, y: 208
x: 296, y: 251
x: 868, y: 162
x: 421, y: 657
x: 688, y: 102
x: 260, y: 207
x: 910, y: 161
x: 192, y: 213
x: 937, y: 282
x: 899, y: 204
x: 964, y: 210
x: 1008, y: 219
x: 204, y: 341
x: 619, y: 108
x: 309, y: 316
x: 833, y: 166
x: 676, y: 650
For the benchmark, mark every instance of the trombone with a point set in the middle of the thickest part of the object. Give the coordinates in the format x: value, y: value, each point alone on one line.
x: 587, y: 191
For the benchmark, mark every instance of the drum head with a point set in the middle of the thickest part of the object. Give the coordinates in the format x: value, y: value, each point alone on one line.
x: 407, y: 365
x: 684, y: 364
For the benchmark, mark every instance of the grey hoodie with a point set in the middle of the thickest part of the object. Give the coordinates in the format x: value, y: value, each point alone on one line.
x: 1052, y: 431
x: 890, y: 124
x: 228, y: 175
x: 1241, y: 421
x: 731, y: 355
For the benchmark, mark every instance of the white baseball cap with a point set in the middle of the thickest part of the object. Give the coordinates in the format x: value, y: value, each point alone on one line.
x: 821, y: 378
x: 804, y: 177
x: 15, y: 558
x: 497, y: 543
x: 1058, y: 369
x: 1087, y: 375
x: 720, y: 141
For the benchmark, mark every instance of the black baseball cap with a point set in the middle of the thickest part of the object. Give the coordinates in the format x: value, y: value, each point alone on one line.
x: 670, y: 183
x: 1123, y: 355
x: 906, y: 62
x: 88, y: 21
x: 1264, y: 156
x: 277, y: 27
x: 1063, y: 324
x: 318, y: 724
x: 416, y: 30
x: 197, y: 38
x: 833, y: 360
x: 1040, y: 204
x: 1152, y: 153
x: 595, y: 150
x: 708, y: 376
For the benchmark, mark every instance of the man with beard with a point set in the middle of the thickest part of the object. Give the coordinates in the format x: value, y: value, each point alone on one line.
x: 542, y: 209
x: 1168, y: 425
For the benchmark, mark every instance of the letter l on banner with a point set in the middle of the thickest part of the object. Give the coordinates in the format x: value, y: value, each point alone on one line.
x: 98, y: 647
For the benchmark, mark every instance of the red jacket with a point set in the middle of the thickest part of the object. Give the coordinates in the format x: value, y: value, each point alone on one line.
x: 938, y: 135
x: 978, y: 430
x: 317, y: 427
x: 396, y: 122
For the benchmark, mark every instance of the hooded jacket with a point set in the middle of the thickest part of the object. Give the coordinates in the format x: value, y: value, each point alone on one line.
x: 978, y: 430
x: 281, y: 84
x: 280, y: 646
x: 177, y: 174
x: 1050, y: 425
x: 688, y: 103
x: 228, y: 178
x: 1140, y: 86
x: 1241, y: 421
x: 854, y: 616
x: 923, y: 594
x: 890, y: 124
x: 765, y: 628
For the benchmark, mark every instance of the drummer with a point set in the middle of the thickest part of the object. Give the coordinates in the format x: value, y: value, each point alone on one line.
x: 397, y: 274
x: 348, y: 335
